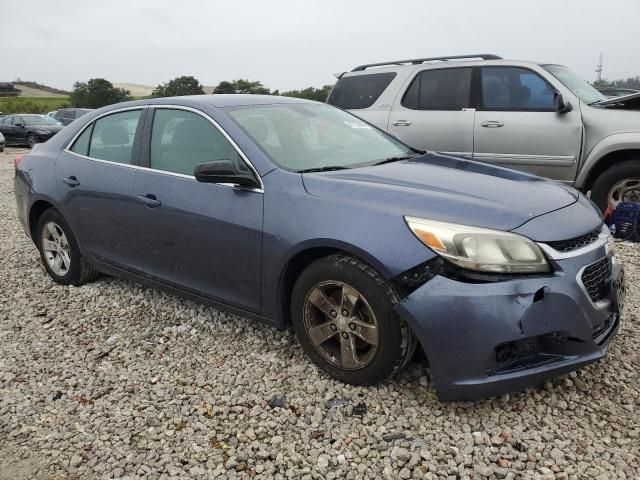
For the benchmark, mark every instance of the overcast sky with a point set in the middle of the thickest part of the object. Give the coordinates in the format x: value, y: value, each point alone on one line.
x: 290, y: 44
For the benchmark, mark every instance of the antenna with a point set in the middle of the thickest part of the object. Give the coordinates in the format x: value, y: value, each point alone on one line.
x: 599, y: 70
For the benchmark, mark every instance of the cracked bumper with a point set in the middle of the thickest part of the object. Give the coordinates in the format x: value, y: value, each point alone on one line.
x: 487, y: 339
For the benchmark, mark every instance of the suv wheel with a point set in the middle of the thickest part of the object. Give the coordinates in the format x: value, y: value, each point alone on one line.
x: 619, y: 183
x: 342, y: 312
x: 59, y: 251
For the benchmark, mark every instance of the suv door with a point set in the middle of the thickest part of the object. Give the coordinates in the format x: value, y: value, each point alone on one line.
x: 434, y: 112
x: 95, y: 177
x: 517, y: 124
x: 201, y: 237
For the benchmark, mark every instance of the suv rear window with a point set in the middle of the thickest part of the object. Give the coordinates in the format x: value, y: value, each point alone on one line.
x: 360, y: 91
x: 446, y: 89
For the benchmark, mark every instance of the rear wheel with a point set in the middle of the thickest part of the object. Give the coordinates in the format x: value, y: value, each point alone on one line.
x: 32, y: 140
x: 619, y: 183
x: 342, y: 312
x: 59, y: 251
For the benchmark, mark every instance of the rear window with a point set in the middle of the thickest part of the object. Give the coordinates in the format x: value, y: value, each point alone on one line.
x: 447, y: 89
x: 360, y: 91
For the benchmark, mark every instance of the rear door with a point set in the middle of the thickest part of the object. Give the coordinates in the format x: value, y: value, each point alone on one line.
x: 434, y: 112
x: 516, y: 124
x: 6, y: 128
x: 95, y: 179
x: 201, y: 237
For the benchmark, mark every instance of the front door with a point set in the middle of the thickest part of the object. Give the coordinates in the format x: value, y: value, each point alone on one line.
x: 434, y: 113
x: 202, y: 237
x: 517, y: 126
x: 95, y: 180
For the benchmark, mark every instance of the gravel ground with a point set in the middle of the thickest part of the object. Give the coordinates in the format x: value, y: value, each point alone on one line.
x: 114, y: 380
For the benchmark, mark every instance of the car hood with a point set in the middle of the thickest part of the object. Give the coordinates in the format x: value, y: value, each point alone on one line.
x: 48, y: 128
x: 445, y: 188
x: 626, y: 102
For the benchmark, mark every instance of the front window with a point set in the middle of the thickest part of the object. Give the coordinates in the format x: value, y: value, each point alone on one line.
x: 514, y: 88
x: 38, y: 120
x: 306, y: 136
x: 579, y: 87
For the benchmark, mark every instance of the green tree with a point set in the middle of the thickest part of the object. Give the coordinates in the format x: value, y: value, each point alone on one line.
x: 242, y: 86
x: 97, y: 93
x: 185, y: 85
x: 311, y: 93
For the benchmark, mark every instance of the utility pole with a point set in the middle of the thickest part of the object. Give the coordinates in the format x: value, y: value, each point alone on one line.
x: 599, y: 70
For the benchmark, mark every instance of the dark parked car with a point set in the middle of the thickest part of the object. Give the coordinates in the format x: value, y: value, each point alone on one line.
x: 28, y: 129
x: 291, y: 211
x: 68, y: 115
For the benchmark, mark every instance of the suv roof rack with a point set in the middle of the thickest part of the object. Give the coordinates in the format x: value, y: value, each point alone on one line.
x: 416, y: 61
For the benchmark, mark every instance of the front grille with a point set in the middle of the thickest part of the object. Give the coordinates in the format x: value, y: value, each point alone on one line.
x: 575, y: 243
x: 594, y: 278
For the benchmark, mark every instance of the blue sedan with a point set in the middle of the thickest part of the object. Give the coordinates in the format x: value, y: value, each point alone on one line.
x: 296, y: 213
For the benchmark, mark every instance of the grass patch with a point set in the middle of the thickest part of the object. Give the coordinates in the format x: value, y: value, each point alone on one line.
x: 32, y: 104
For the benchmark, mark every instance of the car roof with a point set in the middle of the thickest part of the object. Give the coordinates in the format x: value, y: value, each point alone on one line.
x: 218, y: 100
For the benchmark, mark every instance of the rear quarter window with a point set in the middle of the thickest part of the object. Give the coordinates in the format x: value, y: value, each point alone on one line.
x: 360, y: 91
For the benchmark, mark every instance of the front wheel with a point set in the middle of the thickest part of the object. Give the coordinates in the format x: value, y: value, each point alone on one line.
x: 342, y: 312
x: 619, y: 183
x: 59, y: 251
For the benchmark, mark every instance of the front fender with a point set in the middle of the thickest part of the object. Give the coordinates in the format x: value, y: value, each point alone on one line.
x: 613, y: 143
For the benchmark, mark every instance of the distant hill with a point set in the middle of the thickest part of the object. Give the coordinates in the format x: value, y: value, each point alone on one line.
x: 35, y: 89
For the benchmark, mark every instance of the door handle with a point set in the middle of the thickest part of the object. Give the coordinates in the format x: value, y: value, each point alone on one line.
x: 402, y: 123
x: 150, y: 200
x: 492, y: 124
x: 71, y: 181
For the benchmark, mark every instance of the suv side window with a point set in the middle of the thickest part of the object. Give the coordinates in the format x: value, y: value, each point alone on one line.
x: 112, y: 137
x: 444, y: 89
x: 180, y: 140
x: 514, y: 88
x: 359, y: 91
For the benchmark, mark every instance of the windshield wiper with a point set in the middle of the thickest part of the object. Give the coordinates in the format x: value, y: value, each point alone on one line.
x: 323, y: 169
x: 398, y: 158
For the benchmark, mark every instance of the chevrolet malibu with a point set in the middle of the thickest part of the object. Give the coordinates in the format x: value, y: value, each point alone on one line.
x: 294, y: 212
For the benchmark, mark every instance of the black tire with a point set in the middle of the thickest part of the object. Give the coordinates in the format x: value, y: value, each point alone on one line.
x: 396, y: 341
x: 32, y: 140
x: 610, y: 177
x: 80, y: 271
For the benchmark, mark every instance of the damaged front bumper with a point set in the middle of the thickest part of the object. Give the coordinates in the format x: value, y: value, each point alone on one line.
x: 487, y: 339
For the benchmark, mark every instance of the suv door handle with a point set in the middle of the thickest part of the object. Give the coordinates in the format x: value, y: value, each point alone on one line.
x: 71, y: 181
x: 402, y: 123
x: 150, y: 200
x: 492, y: 124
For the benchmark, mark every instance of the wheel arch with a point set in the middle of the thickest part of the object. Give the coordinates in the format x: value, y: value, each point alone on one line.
x: 607, y: 161
x: 35, y: 212
x: 606, y: 153
x: 303, y: 257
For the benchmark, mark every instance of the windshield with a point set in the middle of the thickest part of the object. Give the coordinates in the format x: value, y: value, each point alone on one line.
x: 579, y: 87
x: 38, y: 120
x: 308, y: 136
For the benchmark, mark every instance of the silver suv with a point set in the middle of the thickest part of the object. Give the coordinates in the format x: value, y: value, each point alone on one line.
x: 537, y: 117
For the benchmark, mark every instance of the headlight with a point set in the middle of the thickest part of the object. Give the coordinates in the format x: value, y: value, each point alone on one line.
x: 480, y: 249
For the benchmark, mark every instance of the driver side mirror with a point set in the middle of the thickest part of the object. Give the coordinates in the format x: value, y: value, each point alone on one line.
x: 560, y: 105
x: 223, y: 171
x: 20, y: 125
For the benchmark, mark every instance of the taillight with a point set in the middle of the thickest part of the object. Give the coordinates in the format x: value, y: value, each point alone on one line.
x: 17, y: 160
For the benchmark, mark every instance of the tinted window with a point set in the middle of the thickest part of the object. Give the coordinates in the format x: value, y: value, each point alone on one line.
x: 113, y: 136
x: 359, y: 91
x: 510, y: 88
x: 180, y: 140
x: 446, y: 89
x: 81, y: 145
x: 17, y: 120
x: 7, y: 120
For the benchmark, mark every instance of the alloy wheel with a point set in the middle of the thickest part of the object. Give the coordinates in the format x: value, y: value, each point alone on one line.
x: 626, y: 190
x: 55, y: 247
x: 341, y: 325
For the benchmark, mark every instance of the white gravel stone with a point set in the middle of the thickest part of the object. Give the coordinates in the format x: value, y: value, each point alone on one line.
x: 115, y: 380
